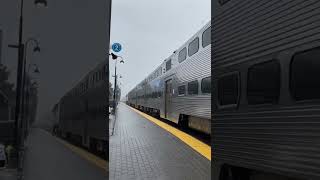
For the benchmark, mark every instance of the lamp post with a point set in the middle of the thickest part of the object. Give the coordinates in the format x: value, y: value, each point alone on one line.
x: 117, y: 87
x: 26, y: 97
x: 19, y: 90
x: 115, y: 57
x: 27, y: 115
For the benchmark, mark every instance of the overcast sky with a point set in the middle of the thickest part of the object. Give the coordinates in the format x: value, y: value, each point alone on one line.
x: 73, y: 39
x: 150, y: 31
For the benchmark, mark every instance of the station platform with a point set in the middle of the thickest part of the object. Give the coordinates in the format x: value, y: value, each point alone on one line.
x: 141, y: 148
x: 50, y: 158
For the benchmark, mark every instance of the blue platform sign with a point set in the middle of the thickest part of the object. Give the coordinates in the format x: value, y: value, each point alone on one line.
x: 116, y: 47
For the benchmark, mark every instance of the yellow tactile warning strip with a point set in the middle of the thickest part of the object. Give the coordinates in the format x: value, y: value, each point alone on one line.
x: 85, y: 154
x: 194, y: 143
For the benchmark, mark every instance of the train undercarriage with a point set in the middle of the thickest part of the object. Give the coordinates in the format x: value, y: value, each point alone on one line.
x: 185, y: 121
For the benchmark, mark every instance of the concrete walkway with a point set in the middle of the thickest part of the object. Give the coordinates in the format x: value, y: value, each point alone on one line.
x: 46, y: 158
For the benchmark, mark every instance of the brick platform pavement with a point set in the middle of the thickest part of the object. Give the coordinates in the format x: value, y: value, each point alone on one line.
x: 141, y: 150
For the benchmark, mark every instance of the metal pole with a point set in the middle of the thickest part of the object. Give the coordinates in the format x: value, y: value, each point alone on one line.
x: 115, y: 85
x: 27, y: 103
x: 23, y: 92
x: 23, y: 115
x: 18, y: 94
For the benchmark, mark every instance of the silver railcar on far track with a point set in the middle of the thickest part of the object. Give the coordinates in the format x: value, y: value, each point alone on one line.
x: 179, y: 90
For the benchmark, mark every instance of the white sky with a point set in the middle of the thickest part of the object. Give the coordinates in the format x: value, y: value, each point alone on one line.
x: 150, y: 31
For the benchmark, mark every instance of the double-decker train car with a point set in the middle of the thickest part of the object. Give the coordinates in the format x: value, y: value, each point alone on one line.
x: 180, y: 88
x: 266, y: 69
x: 82, y: 111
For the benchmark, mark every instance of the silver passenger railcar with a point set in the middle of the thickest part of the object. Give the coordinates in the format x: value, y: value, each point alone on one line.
x: 266, y: 69
x: 180, y: 88
x: 82, y: 111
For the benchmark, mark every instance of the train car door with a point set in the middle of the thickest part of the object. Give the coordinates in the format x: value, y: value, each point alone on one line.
x: 168, y: 97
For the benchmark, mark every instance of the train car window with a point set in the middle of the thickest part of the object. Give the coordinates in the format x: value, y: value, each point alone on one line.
x: 181, y: 90
x: 304, y: 75
x: 206, y: 85
x: 228, y: 89
x: 263, y: 85
x: 193, y: 87
x: 193, y: 47
x: 182, y: 55
x: 168, y: 65
x: 206, y: 37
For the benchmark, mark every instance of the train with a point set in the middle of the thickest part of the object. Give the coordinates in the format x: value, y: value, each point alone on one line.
x: 266, y: 101
x: 81, y: 112
x: 179, y: 90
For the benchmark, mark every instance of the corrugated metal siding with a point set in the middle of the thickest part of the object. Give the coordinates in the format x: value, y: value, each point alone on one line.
x: 287, y: 24
x: 280, y: 139
x: 196, y: 67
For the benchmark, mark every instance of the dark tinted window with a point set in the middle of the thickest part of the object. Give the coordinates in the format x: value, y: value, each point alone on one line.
x: 168, y: 65
x: 305, y: 75
x: 193, y: 87
x: 182, y: 90
x: 193, y: 47
x: 206, y: 37
x: 206, y: 85
x: 264, y: 83
x: 182, y: 55
x: 228, y: 89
